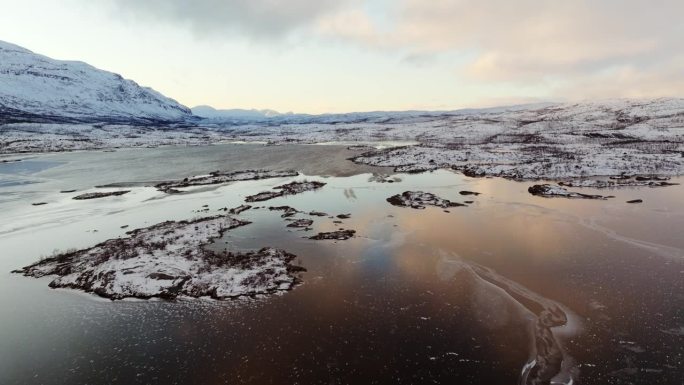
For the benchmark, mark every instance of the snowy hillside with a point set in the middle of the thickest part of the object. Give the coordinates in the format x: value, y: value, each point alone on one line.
x: 553, y: 141
x: 35, y: 88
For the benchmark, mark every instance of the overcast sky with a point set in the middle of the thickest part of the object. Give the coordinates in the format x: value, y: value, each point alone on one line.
x: 354, y: 55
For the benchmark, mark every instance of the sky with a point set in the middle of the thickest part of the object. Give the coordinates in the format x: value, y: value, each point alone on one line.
x: 320, y: 56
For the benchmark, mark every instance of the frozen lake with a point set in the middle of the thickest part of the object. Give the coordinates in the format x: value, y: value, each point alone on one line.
x: 418, y: 296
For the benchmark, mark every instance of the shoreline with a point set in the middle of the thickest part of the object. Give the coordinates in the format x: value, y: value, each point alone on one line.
x: 575, y: 181
x: 608, y: 138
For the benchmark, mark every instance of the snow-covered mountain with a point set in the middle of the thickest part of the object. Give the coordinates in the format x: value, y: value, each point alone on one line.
x: 36, y: 88
x: 211, y: 113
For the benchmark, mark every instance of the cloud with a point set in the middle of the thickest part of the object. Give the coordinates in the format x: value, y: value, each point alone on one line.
x: 351, y: 24
x: 526, y: 41
x: 600, y: 48
x: 251, y: 19
x: 663, y: 79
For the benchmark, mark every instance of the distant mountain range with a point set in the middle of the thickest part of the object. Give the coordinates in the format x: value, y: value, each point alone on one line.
x: 208, y: 112
x: 36, y: 88
x: 211, y: 116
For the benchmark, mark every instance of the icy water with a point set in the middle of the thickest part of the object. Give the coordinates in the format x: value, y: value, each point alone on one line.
x: 419, y: 296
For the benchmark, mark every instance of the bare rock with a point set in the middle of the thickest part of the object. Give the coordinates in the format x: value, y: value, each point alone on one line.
x: 420, y: 199
x: 97, y: 195
x: 340, y: 235
x: 550, y: 191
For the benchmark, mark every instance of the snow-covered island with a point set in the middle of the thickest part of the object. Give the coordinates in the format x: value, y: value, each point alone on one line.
x: 291, y: 188
x: 419, y: 200
x: 551, y: 191
x: 168, y: 260
x: 220, y: 177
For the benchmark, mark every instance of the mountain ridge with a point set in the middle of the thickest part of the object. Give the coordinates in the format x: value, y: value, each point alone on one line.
x: 37, y: 89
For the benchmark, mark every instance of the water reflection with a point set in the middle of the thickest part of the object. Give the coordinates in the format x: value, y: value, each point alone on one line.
x: 418, y: 296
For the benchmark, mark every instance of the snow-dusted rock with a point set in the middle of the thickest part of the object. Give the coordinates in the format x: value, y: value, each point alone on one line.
x: 338, y: 235
x: 219, y: 177
x: 239, y: 209
x: 550, y: 191
x: 301, y: 223
x: 383, y: 178
x: 318, y: 214
x: 623, y: 181
x: 420, y: 199
x: 100, y: 194
x: 291, y: 188
x: 287, y: 211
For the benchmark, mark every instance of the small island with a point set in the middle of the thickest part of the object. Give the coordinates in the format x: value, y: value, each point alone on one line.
x: 168, y: 260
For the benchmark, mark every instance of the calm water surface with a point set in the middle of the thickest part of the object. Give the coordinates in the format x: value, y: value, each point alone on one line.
x: 419, y: 296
